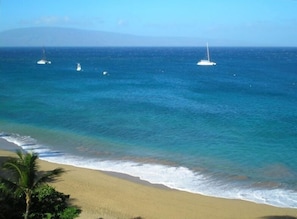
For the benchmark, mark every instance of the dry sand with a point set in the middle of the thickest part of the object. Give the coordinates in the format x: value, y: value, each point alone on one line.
x: 111, y: 196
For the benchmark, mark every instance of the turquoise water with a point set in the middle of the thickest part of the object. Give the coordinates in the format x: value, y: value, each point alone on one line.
x: 228, y: 130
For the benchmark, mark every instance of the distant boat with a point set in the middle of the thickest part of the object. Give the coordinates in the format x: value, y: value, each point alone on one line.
x: 105, y: 73
x: 78, y: 67
x: 204, y: 61
x: 43, y: 60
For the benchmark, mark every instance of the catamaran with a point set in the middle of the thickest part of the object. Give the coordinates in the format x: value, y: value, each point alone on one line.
x: 43, y: 60
x: 78, y: 67
x: 204, y: 61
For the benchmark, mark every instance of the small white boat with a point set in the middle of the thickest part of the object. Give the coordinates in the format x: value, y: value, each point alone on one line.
x: 206, y: 62
x: 43, y: 60
x: 105, y: 73
x: 78, y: 67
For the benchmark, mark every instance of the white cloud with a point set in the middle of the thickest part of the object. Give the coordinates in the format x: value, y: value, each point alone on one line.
x: 52, y: 20
x: 122, y: 22
x: 64, y: 21
x: 47, y: 21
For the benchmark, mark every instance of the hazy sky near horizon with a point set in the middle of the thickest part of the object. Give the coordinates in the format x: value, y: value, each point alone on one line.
x: 256, y: 22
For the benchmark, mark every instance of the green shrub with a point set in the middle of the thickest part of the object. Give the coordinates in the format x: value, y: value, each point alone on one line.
x: 49, y: 203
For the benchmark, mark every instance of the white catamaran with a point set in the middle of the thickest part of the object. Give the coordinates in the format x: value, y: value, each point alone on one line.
x: 204, y: 61
x: 78, y: 67
x: 43, y: 60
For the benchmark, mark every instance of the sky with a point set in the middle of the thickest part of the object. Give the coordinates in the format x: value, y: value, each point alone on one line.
x: 250, y: 22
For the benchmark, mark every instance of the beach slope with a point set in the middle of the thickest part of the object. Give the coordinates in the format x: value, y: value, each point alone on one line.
x: 111, y: 196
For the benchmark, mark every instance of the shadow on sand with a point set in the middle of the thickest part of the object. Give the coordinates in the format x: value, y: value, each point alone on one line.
x: 279, y: 217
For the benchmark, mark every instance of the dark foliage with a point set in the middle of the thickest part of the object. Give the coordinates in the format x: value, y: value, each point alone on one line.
x: 10, y: 206
x: 22, y: 187
x: 46, y: 203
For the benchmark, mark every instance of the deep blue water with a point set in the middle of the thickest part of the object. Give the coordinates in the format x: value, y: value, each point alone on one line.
x: 228, y: 130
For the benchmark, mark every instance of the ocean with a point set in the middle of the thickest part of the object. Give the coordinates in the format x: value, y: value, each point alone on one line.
x: 227, y: 131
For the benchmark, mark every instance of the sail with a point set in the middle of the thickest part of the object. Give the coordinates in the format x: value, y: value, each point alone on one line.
x: 207, y: 62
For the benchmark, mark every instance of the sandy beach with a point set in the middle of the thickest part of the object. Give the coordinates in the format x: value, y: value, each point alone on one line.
x: 114, y: 196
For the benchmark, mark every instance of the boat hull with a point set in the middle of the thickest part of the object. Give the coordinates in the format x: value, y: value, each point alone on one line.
x: 43, y: 62
x: 206, y: 63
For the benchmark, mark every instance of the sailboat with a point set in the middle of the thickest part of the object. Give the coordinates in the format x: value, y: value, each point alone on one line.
x: 205, y: 62
x: 78, y: 67
x: 43, y: 60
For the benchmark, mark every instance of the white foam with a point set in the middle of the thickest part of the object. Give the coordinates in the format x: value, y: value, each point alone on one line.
x: 180, y: 178
x: 28, y: 143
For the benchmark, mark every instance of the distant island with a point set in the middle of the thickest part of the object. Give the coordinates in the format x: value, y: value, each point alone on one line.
x: 70, y: 37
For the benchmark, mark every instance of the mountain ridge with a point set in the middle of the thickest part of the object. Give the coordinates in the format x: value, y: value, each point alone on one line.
x: 71, y: 37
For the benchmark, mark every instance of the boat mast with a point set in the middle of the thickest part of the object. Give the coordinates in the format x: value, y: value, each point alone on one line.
x: 43, y: 54
x: 207, y: 52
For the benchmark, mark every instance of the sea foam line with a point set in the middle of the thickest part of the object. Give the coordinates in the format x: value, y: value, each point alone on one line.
x: 180, y: 178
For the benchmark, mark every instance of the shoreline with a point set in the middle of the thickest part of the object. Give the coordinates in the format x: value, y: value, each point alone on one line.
x: 111, y: 195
